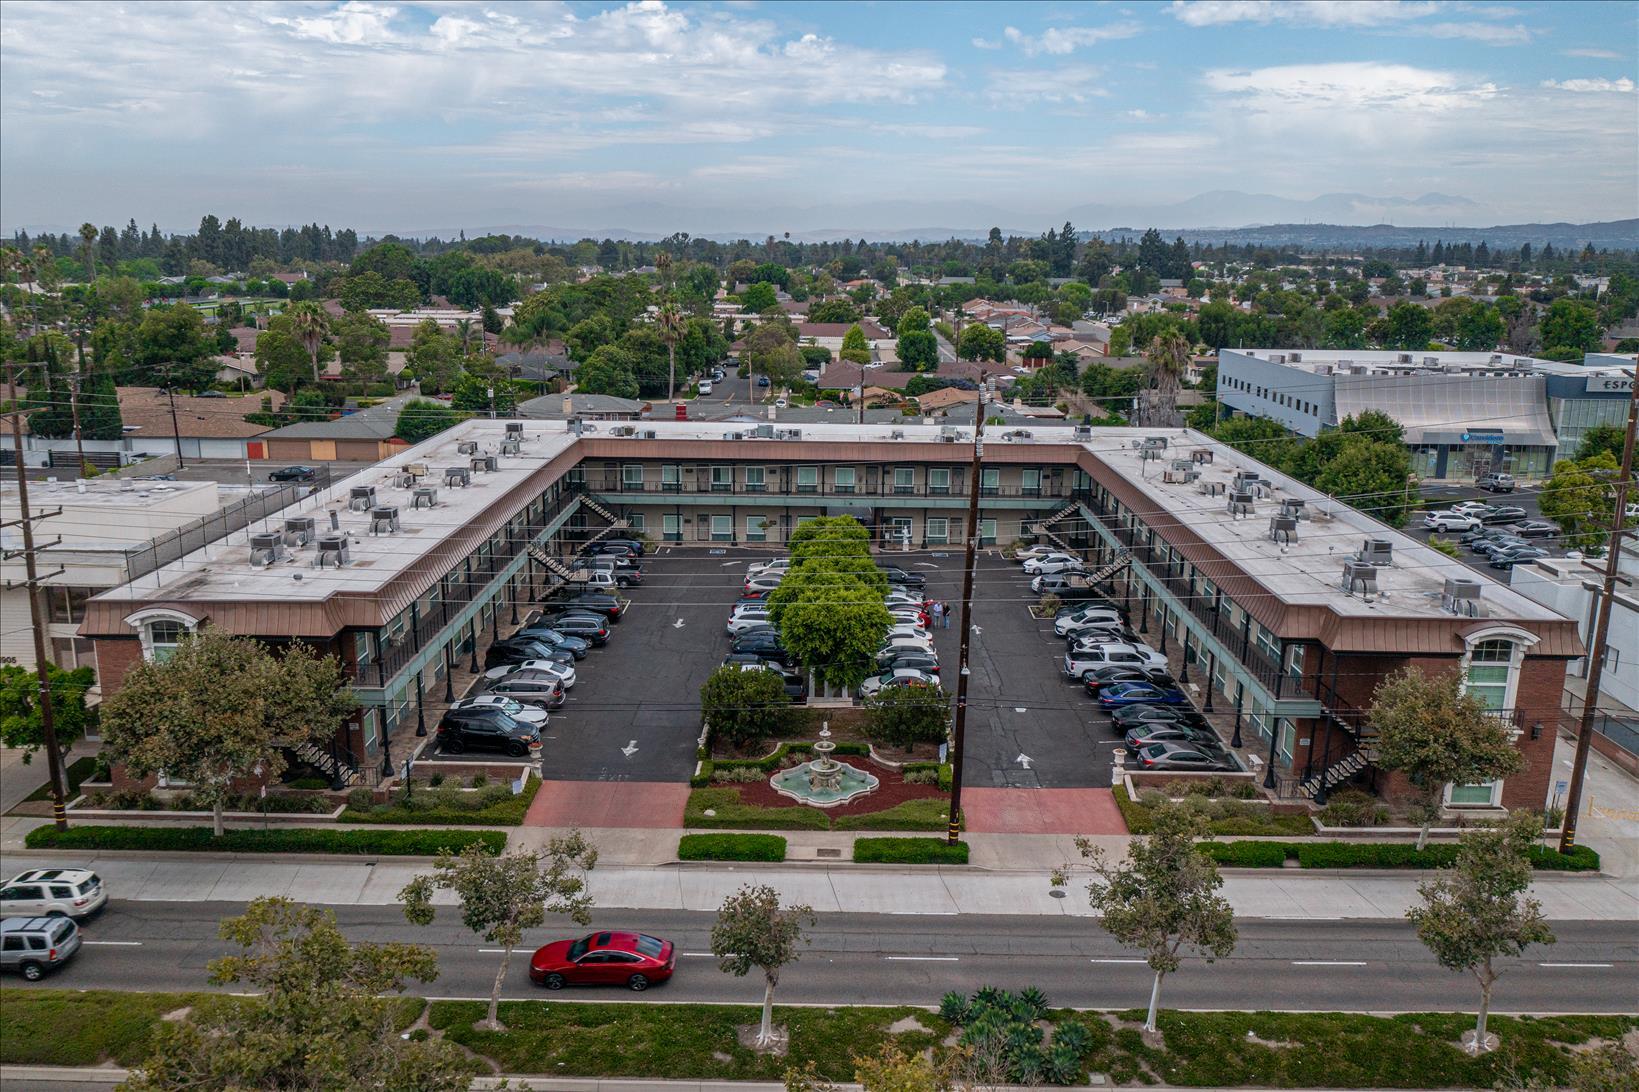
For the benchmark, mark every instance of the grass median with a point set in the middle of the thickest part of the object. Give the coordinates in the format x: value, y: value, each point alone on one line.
x: 352, y: 843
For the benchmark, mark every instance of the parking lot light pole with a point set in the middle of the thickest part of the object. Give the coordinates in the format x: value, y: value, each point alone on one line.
x: 958, y: 750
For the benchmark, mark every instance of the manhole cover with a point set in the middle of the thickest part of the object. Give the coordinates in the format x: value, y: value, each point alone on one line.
x: 828, y: 853
x: 1057, y: 893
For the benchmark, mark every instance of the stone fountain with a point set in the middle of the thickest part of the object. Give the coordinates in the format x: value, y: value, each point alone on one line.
x: 823, y: 781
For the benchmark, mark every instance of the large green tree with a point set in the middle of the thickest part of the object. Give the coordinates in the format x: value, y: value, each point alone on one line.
x: 421, y: 418
x: 754, y: 930
x: 20, y: 725
x: 434, y: 358
x: 1579, y: 497
x: 743, y: 707
x: 608, y: 370
x: 907, y: 715
x: 981, y: 342
x: 171, y: 349
x: 361, y: 343
x: 1373, y: 477
x: 1570, y: 327
x: 918, y: 351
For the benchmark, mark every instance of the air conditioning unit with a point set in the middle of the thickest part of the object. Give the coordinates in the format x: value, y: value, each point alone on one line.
x: 418, y: 469
x: 384, y: 520
x: 298, y: 530
x: 1212, y: 489
x: 1159, y: 442
x: 361, y: 498
x: 484, y: 463
x: 649, y: 434
x: 1240, y: 504
x: 510, y: 446
x: 266, y: 547
x: 332, y: 550
x: 764, y: 432
x: 1403, y: 358
x: 788, y: 434
x: 1290, y: 506
x: 515, y: 428
x: 1376, y: 551
x: 1295, y: 358
x: 1462, y: 596
x: 1283, y: 529
x: 623, y: 430
x: 1183, y: 464
x: 457, y: 477
x: 1082, y: 432
x: 1149, y: 454
x: 425, y: 496
x: 1201, y: 455
x: 466, y: 447
x: 403, y: 480
x: 1359, y: 578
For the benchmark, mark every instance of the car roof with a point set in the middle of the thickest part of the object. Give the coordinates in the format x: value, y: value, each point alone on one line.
x: 44, y: 875
x: 38, y: 924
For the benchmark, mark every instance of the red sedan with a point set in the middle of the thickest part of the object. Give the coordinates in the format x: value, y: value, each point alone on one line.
x: 633, y: 960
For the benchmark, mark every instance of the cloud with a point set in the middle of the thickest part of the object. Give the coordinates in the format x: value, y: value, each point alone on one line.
x: 1059, y: 41
x: 1487, y: 33
x: 1066, y: 84
x: 1393, y: 89
x: 1588, y: 86
x: 986, y: 43
x: 1396, y: 16
x: 1596, y: 54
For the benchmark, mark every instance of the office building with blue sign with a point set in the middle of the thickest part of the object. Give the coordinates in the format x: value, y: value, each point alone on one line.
x: 1464, y: 414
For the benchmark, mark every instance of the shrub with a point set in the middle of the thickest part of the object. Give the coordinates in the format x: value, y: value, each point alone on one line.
x: 909, y: 851
x: 904, y: 716
x: 1379, y: 855
x: 922, y: 776
x: 1353, y: 808
x: 1247, y: 854
x: 731, y: 847
x: 405, y: 843
x: 743, y: 707
x: 308, y: 783
x: 1048, y: 605
x: 741, y: 775
x: 361, y: 798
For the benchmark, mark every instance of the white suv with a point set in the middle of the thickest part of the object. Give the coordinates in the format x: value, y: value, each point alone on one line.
x: 1078, y: 663
x: 1448, y: 521
x: 53, y: 892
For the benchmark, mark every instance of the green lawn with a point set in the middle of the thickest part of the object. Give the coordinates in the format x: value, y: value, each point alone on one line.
x: 731, y: 814
x: 1224, y: 816
x: 77, y: 772
x: 72, y: 1027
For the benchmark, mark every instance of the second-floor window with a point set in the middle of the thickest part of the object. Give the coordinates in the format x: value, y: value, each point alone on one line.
x: 807, y: 479
x: 163, y: 637
x: 671, y: 478
x: 938, y: 479
x: 722, y: 479
x: 1489, y: 665
x: 842, y: 479
x: 1030, y: 481
x: 631, y: 477
x: 904, y: 479
x: 990, y: 481
x: 755, y: 482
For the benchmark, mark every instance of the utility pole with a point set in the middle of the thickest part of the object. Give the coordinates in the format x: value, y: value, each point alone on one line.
x: 54, y: 760
x: 1596, y: 648
x: 74, y: 405
x: 958, y: 749
x: 176, y: 430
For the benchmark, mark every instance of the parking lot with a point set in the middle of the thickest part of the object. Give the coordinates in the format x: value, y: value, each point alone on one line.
x: 1442, y: 496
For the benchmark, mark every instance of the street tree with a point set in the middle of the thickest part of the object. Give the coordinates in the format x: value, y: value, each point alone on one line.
x: 608, y: 370
x: 503, y: 896
x: 221, y: 709
x: 433, y: 359
x: 981, y: 342
x: 1600, y: 439
x: 20, y: 725
x: 1373, y: 476
x: 315, y: 1013
x: 1435, y: 733
x: 754, y: 930
x: 421, y: 418
x: 1570, y: 327
x: 280, y: 358
x: 311, y: 326
x: 907, y: 715
x: 361, y: 343
x: 919, y: 350
x: 1479, y: 911
x: 743, y: 707
x: 1578, y: 496
x: 1162, y: 897
x: 855, y: 349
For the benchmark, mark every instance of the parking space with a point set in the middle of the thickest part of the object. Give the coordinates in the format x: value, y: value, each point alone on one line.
x: 1442, y: 496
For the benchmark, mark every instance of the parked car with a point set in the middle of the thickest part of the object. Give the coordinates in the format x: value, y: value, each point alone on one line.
x: 908, y: 644
x: 1078, y: 664
x: 1496, y: 483
x: 576, y: 646
x: 792, y: 680
x: 1053, y: 563
x: 762, y: 381
x: 763, y: 582
x: 1146, y: 735
x: 1087, y: 638
x: 741, y: 621
x: 757, y: 595
x: 1478, y: 509
x: 1446, y: 522
x: 621, y: 572
x: 703, y: 387
x: 917, y: 661
x: 631, y: 546
x: 1518, y: 555
x: 1072, y: 590
x: 294, y: 474
x: 909, y: 629
x: 1505, y: 513
x: 911, y: 616
x: 462, y: 730
x: 1494, y: 547
x: 510, y: 653
x: 53, y: 892
x: 563, y: 674
x: 1060, y: 583
x: 903, y: 577
x: 765, y: 643
x: 612, y: 607
x: 898, y: 677
x: 1040, y: 549
x: 779, y: 565
x: 1119, y: 695
x: 580, y: 624
x: 1535, y: 528
x: 1091, y: 601
x: 1098, y: 679
x: 1088, y: 616
x: 1134, y: 715
x: 31, y: 946
x: 633, y: 960
x: 500, y: 703
x: 1183, y: 756
x: 902, y: 597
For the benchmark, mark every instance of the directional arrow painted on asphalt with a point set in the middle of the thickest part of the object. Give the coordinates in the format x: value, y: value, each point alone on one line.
x: 678, y: 624
x: 1024, y: 760
x: 926, y: 565
x: 630, y: 749
x: 976, y: 630
x: 728, y: 564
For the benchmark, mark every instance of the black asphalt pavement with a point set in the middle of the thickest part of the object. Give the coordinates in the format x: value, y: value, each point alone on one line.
x: 891, y: 959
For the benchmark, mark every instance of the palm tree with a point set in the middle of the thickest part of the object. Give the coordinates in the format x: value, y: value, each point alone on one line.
x: 1168, y: 355
x: 672, y: 327
x: 88, y: 242
x: 310, y: 325
x: 463, y: 330
x: 663, y: 266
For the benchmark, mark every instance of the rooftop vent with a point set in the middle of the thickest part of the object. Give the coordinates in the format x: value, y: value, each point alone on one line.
x: 1149, y: 454
x: 403, y: 480
x: 425, y: 496
x: 361, y: 497
x: 1291, y: 506
x: 1212, y: 489
x: 1201, y: 455
x: 623, y: 430
x: 645, y: 434
x: 332, y: 551
x: 515, y: 428
x: 1156, y: 441
x: 1180, y: 475
x: 1240, y: 504
x: 417, y: 469
x: 1376, y: 551
x: 1283, y: 529
x: 266, y: 547
x: 384, y: 519
x: 576, y: 424
x: 298, y: 530
x: 457, y: 477
x: 511, y: 446
x: 484, y: 463
x: 1083, y: 432
x: 467, y: 447
x: 1462, y: 596
x: 1359, y: 578
x: 788, y: 434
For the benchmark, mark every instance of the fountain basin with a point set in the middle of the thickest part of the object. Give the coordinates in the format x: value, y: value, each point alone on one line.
x: 824, y: 783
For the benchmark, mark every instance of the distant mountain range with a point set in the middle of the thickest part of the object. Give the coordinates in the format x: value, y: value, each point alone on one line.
x: 1608, y: 235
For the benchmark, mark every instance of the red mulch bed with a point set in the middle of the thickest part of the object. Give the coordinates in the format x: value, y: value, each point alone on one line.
x: 891, y: 791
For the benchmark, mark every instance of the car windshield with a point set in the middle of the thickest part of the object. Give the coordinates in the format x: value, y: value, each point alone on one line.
x: 60, y: 932
x: 578, y: 948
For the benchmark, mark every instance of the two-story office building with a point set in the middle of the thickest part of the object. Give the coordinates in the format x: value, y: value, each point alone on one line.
x: 1245, y: 575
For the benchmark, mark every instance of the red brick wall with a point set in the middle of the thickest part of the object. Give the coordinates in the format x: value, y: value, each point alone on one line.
x: 114, y: 658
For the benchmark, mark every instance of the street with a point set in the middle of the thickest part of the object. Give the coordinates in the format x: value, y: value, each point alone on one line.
x: 891, y: 959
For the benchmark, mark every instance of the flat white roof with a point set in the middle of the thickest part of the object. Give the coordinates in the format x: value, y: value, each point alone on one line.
x: 1383, y: 362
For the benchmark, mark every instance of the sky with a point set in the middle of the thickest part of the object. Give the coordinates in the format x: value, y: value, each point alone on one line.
x: 764, y: 118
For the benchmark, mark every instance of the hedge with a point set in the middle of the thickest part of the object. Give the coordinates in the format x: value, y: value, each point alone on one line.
x: 389, y: 843
x: 443, y: 806
x: 1379, y: 855
x: 942, y: 767
x: 731, y: 847
x: 908, y: 851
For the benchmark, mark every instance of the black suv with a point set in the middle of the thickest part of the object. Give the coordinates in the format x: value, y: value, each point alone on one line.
x: 765, y: 643
x: 479, y: 729
x: 904, y: 579
x: 610, y: 606
x: 513, y: 650
x: 630, y: 547
x: 578, y: 624
x: 544, y: 634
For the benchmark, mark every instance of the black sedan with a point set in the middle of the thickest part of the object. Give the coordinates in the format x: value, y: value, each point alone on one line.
x: 293, y: 474
x: 904, y: 578
x: 1098, y: 678
x: 1131, y: 716
x: 1504, y: 513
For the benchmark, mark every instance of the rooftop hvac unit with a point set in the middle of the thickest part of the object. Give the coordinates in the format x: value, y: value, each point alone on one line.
x: 1201, y: 455
x: 1212, y: 489
x: 483, y: 463
x: 1403, y: 358
x: 425, y: 496
x: 332, y: 551
x: 418, y: 469
x: 1295, y: 358
x: 1240, y: 504
x: 733, y: 436
x: 1431, y: 361
x: 1156, y: 442
x: 1283, y: 529
x: 298, y: 530
x: 649, y: 434
x: 1462, y: 596
x: 266, y: 547
x: 515, y: 428
x: 576, y: 425
x: 1277, y: 358
x: 1290, y: 506
x: 1359, y: 578
x: 457, y: 477
x: 1183, y: 464
x: 361, y: 497
x: 623, y: 430
x: 403, y: 480
x: 1376, y: 551
x: 384, y: 520
x: 764, y: 432
x: 1496, y: 358
x: 788, y: 434
x: 1082, y: 432
x: 466, y: 447
x: 1149, y: 454
x: 510, y: 446
x: 1179, y: 477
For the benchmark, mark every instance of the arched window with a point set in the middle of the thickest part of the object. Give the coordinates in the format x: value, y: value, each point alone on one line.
x: 161, y: 630
x: 1489, y: 672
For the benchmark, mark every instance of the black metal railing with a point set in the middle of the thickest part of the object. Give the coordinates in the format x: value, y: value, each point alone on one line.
x: 614, y: 485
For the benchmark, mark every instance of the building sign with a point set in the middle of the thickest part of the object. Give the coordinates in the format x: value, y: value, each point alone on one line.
x: 1610, y: 384
x: 1495, y: 439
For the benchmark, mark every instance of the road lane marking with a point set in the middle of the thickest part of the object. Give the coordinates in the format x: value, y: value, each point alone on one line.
x: 1118, y: 961
x: 698, y: 955
x: 923, y: 913
x: 1328, y: 963
x: 923, y: 958
x: 115, y: 943
x: 1606, y: 966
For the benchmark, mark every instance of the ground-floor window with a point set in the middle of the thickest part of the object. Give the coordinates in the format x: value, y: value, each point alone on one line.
x: 938, y: 531
x: 756, y: 529
x: 671, y: 527
x: 1286, y: 739
x: 987, y: 532
x: 367, y: 719
x: 1483, y: 794
x: 722, y: 528
x: 635, y: 520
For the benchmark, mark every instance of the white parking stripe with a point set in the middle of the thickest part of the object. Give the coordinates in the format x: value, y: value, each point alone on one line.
x: 924, y: 958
